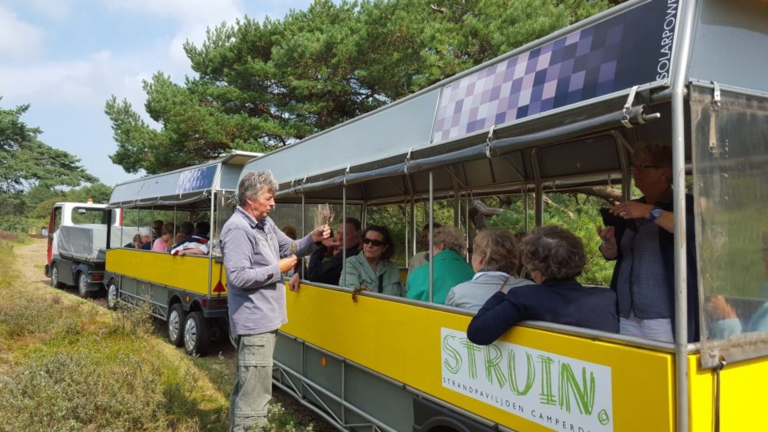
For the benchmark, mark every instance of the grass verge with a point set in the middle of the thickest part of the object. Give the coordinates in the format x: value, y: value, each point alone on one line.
x: 69, y: 365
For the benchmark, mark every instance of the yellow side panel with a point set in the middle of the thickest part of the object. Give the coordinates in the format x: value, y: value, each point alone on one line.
x: 404, y: 342
x: 189, y: 273
x: 742, y: 396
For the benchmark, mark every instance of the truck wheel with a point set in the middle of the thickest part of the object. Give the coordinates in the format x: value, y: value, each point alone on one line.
x: 82, y: 286
x: 176, y: 323
x: 113, y: 295
x: 196, y: 334
x: 55, y: 278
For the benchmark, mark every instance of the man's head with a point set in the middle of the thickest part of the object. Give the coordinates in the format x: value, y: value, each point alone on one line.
x: 157, y: 228
x: 187, y: 228
x: 256, y: 194
x: 353, y: 228
x: 652, y: 166
x: 425, y: 234
x: 202, y: 228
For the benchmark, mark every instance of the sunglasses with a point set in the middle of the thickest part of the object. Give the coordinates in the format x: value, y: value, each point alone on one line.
x: 372, y: 242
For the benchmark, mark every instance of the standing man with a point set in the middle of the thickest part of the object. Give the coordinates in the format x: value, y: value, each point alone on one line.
x: 256, y: 253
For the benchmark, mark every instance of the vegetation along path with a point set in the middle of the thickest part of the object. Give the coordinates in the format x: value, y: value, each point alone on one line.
x: 67, y: 364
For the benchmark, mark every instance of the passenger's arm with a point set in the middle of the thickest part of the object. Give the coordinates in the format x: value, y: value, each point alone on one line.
x: 497, y: 315
x: 450, y: 299
x: 353, y: 279
x: 239, y: 263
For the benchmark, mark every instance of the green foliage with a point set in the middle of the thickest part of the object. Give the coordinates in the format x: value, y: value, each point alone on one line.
x: 25, y: 161
x: 262, y: 85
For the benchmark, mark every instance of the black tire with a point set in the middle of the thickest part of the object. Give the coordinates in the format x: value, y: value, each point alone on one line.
x: 197, y: 335
x: 55, y: 278
x: 83, y: 285
x: 177, y: 319
x: 113, y: 295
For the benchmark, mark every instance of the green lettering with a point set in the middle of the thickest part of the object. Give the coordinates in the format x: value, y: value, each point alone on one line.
x: 584, y: 393
x: 547, y: 397
x: 472, y: 349
x: 453, y: 354
x: 530, y: 374
x: 493, y: 359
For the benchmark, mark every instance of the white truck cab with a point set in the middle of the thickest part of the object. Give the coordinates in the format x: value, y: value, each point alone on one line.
x: 77, y: 235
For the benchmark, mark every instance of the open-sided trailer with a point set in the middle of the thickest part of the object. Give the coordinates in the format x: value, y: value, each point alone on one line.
x: 561, y: 112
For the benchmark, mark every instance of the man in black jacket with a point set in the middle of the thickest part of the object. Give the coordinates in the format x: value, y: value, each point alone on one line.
x: 328, y: 270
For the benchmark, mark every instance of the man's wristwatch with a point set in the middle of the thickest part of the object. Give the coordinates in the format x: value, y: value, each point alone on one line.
x: 655, y: 213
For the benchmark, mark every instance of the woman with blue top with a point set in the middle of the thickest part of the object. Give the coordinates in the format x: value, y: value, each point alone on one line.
x: 372, y: 269
x: 495, y: 259
x: 449, y: 267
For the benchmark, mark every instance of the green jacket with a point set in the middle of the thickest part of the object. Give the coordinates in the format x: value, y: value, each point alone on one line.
x: 359, y: 272
x: 450, y: 269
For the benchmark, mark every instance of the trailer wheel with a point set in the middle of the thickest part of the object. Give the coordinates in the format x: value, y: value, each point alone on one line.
x: 82, y: 286
x: 112, y: 295
x: 55, y: 278
x: 176, y: 324
x: 197, y: 335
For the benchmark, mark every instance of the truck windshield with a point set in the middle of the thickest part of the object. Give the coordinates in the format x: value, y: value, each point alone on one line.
x: 85, y: 215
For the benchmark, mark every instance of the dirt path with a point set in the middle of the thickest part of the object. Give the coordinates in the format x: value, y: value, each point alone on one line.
x: 31, y: 260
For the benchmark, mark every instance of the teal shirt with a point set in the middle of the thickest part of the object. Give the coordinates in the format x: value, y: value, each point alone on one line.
x: 450, y: 269
x: 359, y: 272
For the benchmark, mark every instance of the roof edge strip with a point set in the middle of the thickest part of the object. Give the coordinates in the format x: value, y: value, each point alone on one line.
x: 500, y: 147
x: 616, y: 10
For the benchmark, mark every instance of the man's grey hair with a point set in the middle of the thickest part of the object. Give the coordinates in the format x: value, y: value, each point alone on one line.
x: 252, y: 185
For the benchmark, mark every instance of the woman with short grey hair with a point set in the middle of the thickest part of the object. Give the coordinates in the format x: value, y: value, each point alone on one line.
x: 495, y: 258
x: 449, y: 268
x: 555, y: 257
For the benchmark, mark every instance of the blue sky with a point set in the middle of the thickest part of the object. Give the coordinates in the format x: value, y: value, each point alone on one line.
x: 67, y: 57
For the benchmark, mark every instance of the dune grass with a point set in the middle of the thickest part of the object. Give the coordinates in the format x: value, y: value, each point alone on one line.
x: 69, y: 365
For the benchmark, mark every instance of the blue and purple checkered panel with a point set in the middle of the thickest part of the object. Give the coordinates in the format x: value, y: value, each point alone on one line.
x: 606, y: 57
x: 196, y: 179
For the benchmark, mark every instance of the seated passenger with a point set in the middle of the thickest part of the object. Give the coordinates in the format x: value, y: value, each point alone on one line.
x: 373, y: 268
x: 139, y: 239
x: 421, y: 258
x: 554, y: 256
x: 186, y: 230
x: 329, y: 271
x: 196, y: 243
x: 495, y: 260
x: 449, y: 268
x: 157, y: 231
x: 290, y: 231
x: 164, y: 242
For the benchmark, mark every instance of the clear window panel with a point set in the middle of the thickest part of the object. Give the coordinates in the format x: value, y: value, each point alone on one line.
x: 730, y: 149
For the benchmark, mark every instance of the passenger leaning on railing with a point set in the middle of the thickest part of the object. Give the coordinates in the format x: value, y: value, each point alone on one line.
x: 555, y: 257
x: 326, y: 261
x: 495, y: 259
x: 372, y: 269
x: 449, y: 267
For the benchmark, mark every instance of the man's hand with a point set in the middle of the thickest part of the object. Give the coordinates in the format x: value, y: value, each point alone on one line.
x: 330, y: 243
x: 321, y: 233
x: 287, y: 263
x: 295, y: 282
x: 632, y: 210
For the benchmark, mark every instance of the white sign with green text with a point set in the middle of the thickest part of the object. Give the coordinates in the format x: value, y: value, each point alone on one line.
x: 561, y: 393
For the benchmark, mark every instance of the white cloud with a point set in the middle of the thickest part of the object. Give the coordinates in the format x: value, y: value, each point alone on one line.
x: 18, y: 39
x: 56, y: 9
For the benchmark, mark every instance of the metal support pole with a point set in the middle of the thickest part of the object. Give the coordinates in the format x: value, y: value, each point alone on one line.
x: 527, y: 209
x: 303, y: 230
x: 679, y: 81
x: 539, y: 209
x: 456, y: 210
x: 344, y: 237
x: 431, y: 234
x: 466, y: 222
x: 211, y: 219
x: 413, y: 222
x: 174, y: 224
x: 407, y: 255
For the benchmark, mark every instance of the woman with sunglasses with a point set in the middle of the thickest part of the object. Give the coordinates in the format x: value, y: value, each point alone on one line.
x: 372, y: 268
x: 642, y: 243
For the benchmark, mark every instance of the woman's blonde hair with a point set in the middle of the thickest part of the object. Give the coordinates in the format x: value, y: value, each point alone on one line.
x: 451, y: 237
x: 499, y: 250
